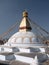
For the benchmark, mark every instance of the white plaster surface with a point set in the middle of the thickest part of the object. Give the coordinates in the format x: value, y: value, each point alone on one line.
x: 25, y: 44
x: 23, y: 59
x: 35, y: 62
x: 24, y: 50
x: 2, y: 57
x: 24, y: 37
x: 5, y: 49
x: 42, y: 49
x: 7, y: 57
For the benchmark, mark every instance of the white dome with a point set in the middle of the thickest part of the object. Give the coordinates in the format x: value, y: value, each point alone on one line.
x: 23, y: 37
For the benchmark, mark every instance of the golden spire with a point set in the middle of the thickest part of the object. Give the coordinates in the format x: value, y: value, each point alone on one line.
x: 25, y: 23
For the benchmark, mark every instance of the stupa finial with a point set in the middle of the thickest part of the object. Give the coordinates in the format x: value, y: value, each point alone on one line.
x: 25, y: 13
x: 25, y: 23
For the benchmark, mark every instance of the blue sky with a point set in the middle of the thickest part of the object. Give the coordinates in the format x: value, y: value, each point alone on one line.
x: 11, y: 12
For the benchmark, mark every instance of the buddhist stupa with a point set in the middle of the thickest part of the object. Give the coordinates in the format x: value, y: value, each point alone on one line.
x: 24, y: 37
x: 24, y: 45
